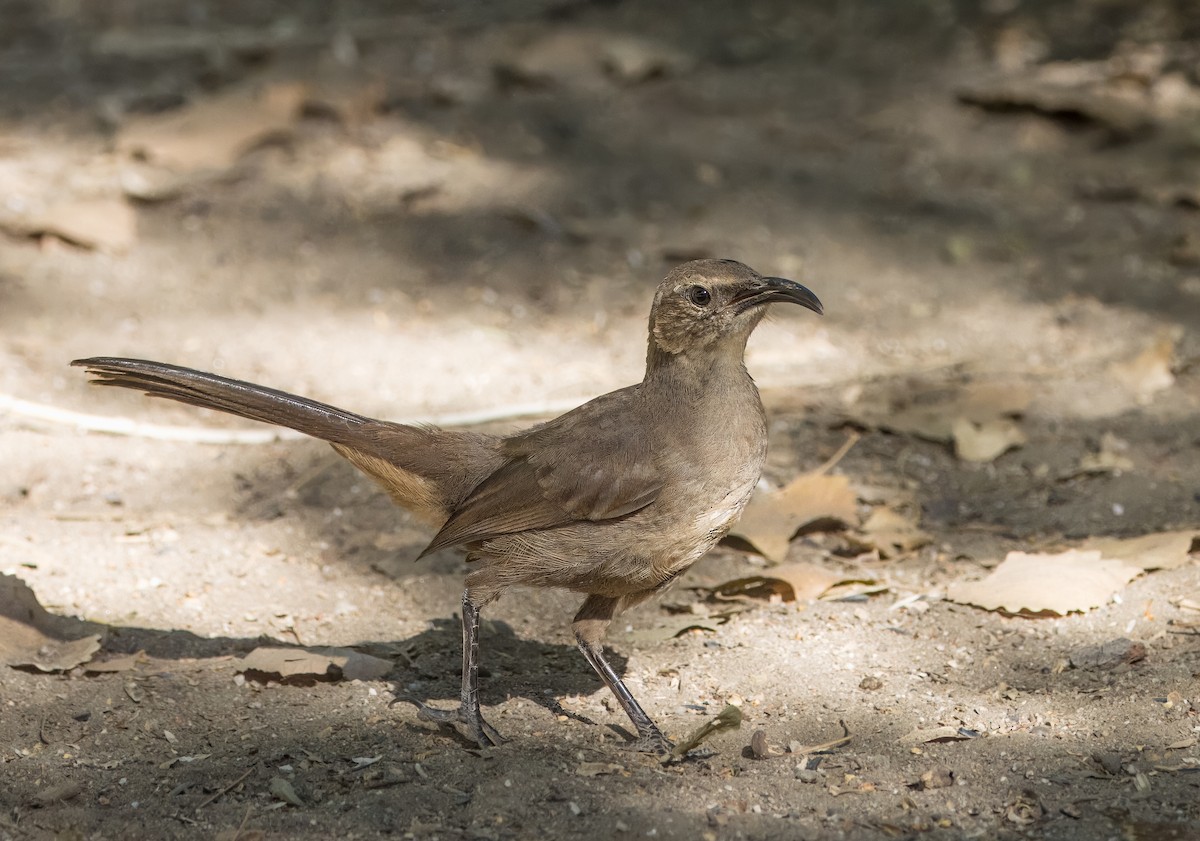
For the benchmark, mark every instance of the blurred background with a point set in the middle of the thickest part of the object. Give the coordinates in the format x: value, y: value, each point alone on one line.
x: 422, y: 207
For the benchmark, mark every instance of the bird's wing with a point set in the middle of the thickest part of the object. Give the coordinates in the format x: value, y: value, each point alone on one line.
x: 590, y: 464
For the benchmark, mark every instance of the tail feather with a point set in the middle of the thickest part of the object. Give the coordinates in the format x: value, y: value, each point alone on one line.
x: 236, y: 397
x: 425, y: 469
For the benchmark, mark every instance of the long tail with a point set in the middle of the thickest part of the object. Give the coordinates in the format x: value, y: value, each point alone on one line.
x: 236, y: 397
x: 427, y: 470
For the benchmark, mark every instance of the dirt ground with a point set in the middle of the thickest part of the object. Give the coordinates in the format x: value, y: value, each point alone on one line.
x: 469, y: 213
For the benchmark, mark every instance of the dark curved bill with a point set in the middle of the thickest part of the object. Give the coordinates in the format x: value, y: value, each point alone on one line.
x: 779, y: 290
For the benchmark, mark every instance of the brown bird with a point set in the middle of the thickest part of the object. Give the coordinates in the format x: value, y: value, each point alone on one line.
x: 614, y: 499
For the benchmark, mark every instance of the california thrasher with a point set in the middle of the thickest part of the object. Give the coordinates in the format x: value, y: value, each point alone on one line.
x: 614, y: 499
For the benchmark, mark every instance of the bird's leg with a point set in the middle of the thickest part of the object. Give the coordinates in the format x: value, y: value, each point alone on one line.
x: 589, y: 626
x: 468, y: 711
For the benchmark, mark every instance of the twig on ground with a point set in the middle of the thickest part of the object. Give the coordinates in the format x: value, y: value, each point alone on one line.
x: 833, y: 460
x: 217, y: 795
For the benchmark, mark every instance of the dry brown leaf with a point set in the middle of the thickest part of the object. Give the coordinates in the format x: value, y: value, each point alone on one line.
x: 300, y: 665
x: 799, y: 582
x: 30, y: 636
x: 986, y: 440
x: 213, y: 133
x: 26, y: 647
x: 932, y: 415
x: 978, y: 418
x: 102, y: 224
x: 1149, y: 372
x: 772, y: 518
x: 1046, y: 583
x: 1162, y: 550
x: 891, y: 533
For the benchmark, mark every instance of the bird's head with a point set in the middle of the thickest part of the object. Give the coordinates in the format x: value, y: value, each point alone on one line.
x: 706, y: 304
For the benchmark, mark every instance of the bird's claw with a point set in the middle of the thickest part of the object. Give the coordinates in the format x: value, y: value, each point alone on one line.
x: 478, y: 729
x: 654, y: 742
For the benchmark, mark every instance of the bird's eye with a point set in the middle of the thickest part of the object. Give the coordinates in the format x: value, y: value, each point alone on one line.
x: 699, y: 296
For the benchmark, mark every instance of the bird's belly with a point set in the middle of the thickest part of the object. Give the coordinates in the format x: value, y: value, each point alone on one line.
x: 707, y: 528
x: 630, y: 555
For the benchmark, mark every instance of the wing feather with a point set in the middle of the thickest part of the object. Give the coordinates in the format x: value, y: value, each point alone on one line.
x: 581, y: 466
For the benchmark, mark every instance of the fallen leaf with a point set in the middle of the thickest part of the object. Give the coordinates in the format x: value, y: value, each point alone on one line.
x: 299, y: 665
x: 103, y: 224
x: 772, y: 518
x: 932, y: 414
x: 32, y: 637
x: 283, y: 790
x: 987, y: 440
x: 1162, y: 550
x: 214, y: 132
x: 1047, y: 583
x: 1149, y: 372
x: 796, y: 582
x: 978, y: 418
x: 890, y: 533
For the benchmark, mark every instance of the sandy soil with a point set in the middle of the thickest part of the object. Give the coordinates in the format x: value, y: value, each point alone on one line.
x: 485, y: 232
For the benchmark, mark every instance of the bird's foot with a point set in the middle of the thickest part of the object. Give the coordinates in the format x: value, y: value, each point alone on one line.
x: 478, y: 730
x: 668, y: 753
x: 653, y: 741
